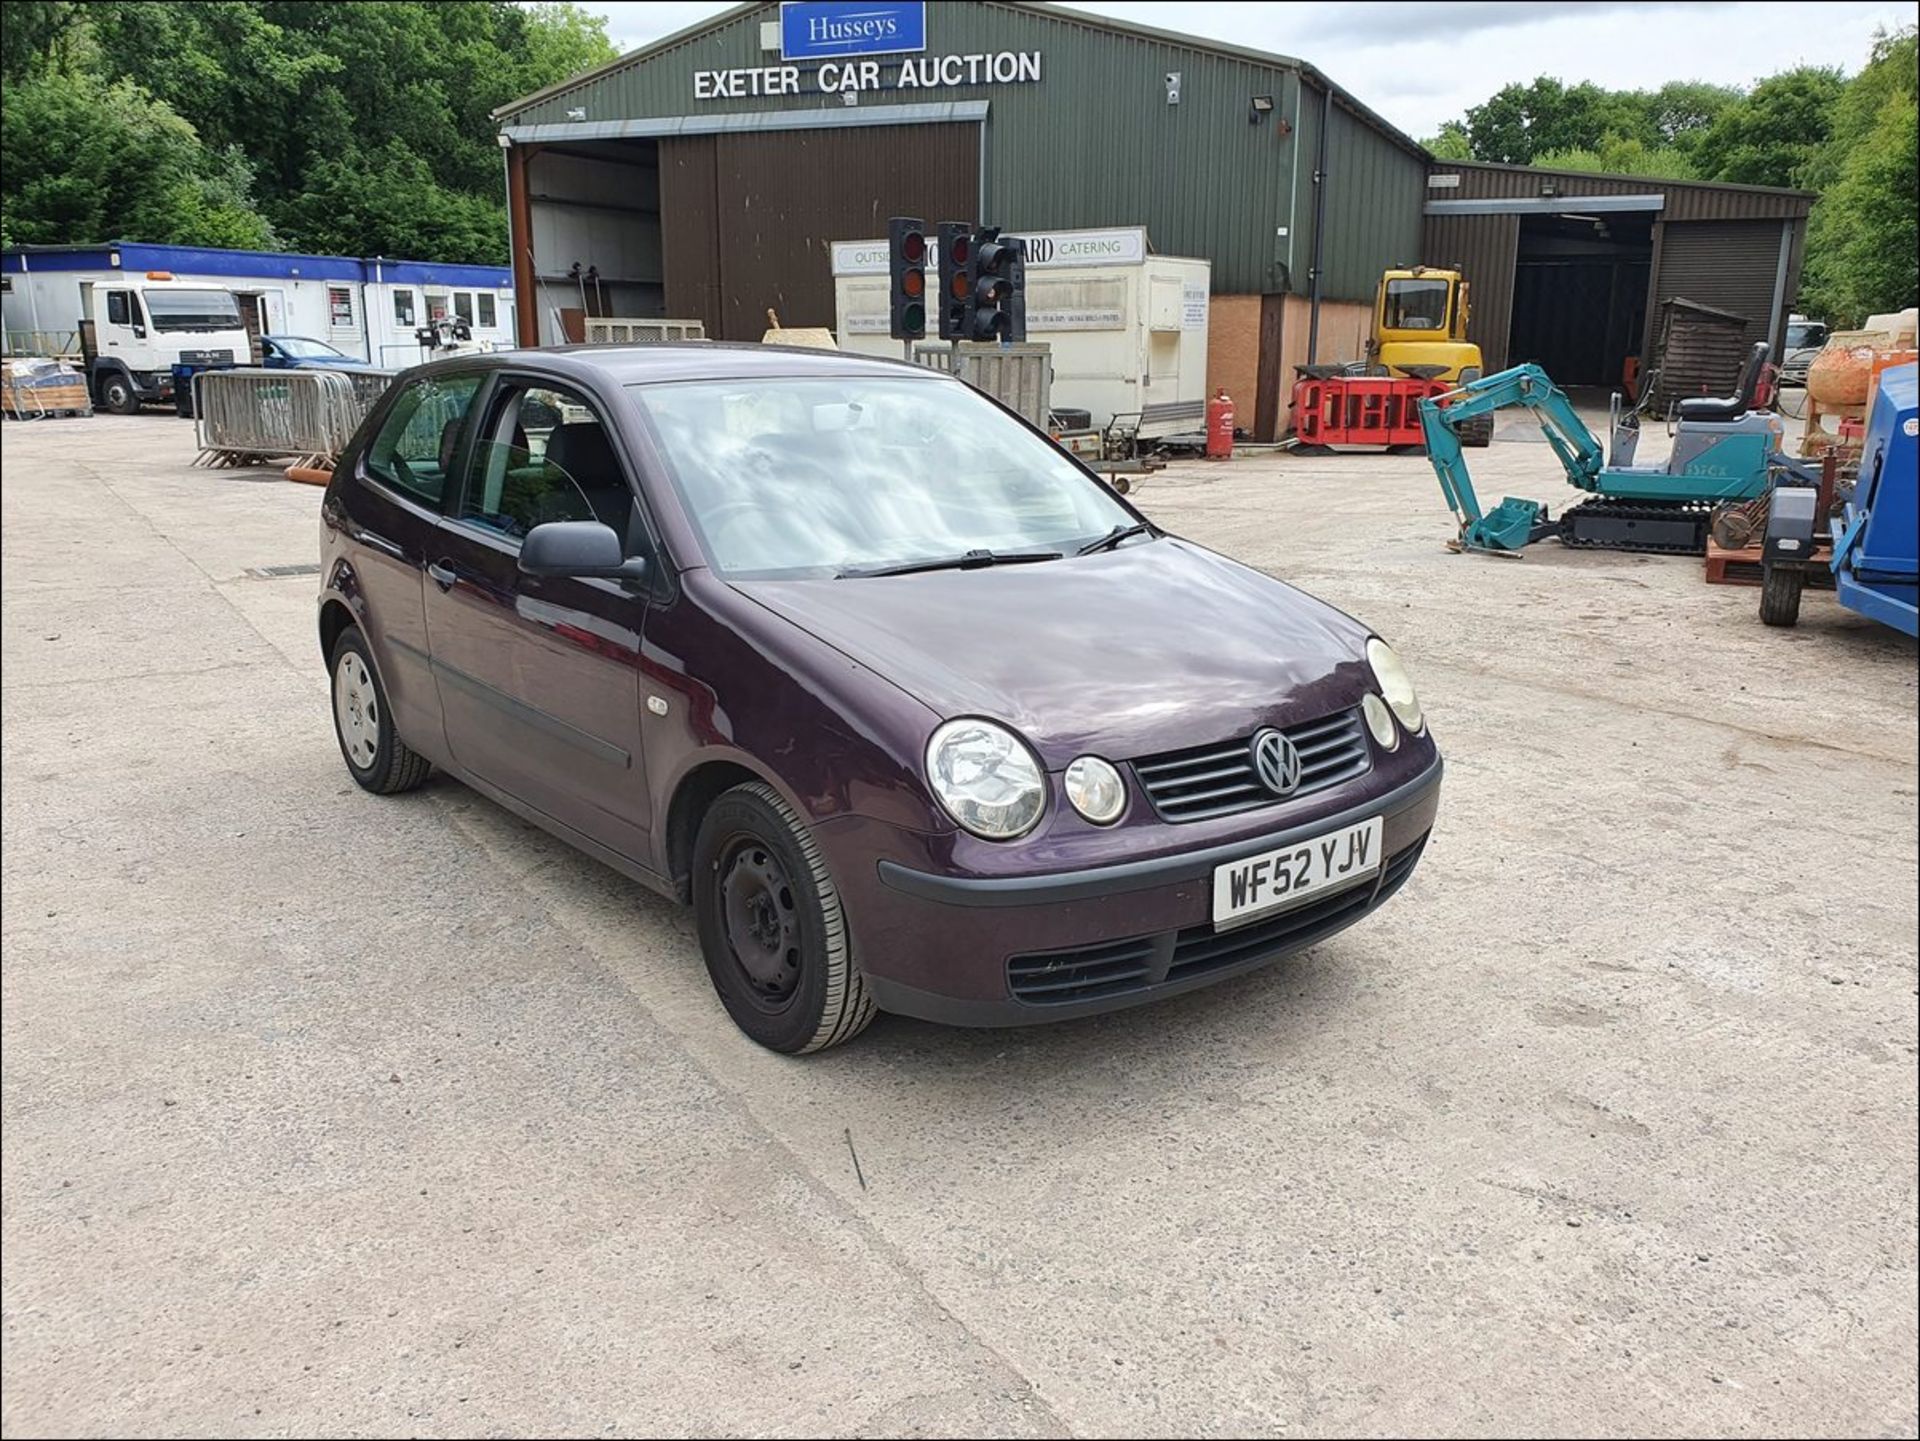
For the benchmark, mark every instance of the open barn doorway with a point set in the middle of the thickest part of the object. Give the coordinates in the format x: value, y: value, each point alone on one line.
x: 1580, y: 294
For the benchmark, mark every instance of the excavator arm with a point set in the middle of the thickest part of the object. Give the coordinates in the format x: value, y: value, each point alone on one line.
x: 1513, y: 523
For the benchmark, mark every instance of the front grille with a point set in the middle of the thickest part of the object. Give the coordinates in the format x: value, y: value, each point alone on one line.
x: 1200, y: 949
x: 206, y: 357
x: 1142, y: 963
x: 1218, y: 780
x: 1080, y: 975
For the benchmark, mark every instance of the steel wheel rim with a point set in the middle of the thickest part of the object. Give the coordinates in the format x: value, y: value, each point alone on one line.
x: 759, y: 920
x: 356, y: 710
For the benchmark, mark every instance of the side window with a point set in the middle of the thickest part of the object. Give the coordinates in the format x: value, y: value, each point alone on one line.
x: 403, y: 307
x: 119, y: 308
x: 416, y: 447
x: 463, y: 305
x: 487, y: 317
x: 544, y: 455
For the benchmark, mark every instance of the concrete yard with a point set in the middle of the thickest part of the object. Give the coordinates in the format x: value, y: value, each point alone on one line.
x: 325, y: 1113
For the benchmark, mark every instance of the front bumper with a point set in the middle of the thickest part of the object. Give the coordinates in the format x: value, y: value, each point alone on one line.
x: 955, y: 949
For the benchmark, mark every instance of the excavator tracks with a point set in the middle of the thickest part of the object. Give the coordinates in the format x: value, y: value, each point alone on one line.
x: 1655, y: 527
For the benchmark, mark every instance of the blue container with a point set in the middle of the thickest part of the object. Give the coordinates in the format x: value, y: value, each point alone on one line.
x: 1876, y: 549
x: 183, y: 390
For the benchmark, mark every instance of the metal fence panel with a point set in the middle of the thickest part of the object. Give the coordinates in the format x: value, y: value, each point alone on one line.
x: 244, y: 415
x: 1020, y: 376
x: 603, y: 330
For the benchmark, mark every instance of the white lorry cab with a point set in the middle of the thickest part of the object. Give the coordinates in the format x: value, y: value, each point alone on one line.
x: 135, y: 329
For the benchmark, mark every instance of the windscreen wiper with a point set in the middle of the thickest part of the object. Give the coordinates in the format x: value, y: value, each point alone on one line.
x: 970, y: 560
x: 1115, y: 536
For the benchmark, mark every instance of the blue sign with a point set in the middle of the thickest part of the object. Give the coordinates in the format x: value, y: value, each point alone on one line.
x: 827, y: 29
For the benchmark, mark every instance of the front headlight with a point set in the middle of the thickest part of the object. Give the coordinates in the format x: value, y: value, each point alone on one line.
x: 1096, y: 791
x: 1396, y: 686
x: 986, y: 778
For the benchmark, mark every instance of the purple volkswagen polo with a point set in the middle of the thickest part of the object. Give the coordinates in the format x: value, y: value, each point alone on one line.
x: 915, y: 712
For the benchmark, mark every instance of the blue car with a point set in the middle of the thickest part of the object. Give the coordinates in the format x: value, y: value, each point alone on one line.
x: 300, y: 352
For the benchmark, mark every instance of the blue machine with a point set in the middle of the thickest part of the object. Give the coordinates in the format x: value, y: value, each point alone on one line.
x: 1724, y: 450
x: 1876, y: 538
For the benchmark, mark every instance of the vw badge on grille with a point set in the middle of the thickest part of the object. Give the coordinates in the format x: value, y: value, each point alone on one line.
x: 1276, y: 762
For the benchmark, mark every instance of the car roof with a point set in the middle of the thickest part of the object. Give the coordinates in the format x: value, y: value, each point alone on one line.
x: 691, y: 360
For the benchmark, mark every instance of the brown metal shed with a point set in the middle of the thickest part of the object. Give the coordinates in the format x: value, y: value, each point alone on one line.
x: 1572, y: 269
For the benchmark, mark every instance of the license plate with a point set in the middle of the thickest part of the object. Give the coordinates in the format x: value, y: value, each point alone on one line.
x: 1295, y: 874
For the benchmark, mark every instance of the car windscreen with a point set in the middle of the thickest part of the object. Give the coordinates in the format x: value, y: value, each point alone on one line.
x: 801, y: 477
x: 1416, y: 305
x: 192, y: 309
x: 307, y: 349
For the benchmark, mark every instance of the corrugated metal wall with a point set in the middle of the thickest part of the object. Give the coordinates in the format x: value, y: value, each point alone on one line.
x: 1375, y: 191
x: 748, y: 219
x: 1095, y: 143
x: 1685, y: 200
x: 1484, y: 247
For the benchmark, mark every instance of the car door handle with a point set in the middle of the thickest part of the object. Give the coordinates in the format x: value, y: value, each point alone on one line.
x: 377, y: 542
x: 442, y: 575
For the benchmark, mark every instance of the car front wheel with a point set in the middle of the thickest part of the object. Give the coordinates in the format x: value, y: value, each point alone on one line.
x: 771, y: 927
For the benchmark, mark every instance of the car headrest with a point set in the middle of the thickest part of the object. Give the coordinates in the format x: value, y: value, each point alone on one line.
x: 450, y: 443
x: 1750, y: 373
x: 583, y: 451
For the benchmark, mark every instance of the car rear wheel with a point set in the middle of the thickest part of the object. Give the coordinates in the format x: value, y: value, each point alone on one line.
x: 376, y: 757
x: 771, y: 926
x: 118, y: 395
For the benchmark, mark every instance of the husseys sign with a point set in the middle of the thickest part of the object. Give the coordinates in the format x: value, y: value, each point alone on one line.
x: 831, y: 38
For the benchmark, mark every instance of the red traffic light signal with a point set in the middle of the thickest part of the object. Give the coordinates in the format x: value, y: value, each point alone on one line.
x: 956, y: 285
x: 906, y: 257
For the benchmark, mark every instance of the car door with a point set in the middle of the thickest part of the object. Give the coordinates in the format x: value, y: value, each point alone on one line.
x: 539, y: 676
x: 390, y: 516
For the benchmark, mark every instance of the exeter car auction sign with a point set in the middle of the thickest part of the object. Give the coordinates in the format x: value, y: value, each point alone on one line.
x: 822, y: 43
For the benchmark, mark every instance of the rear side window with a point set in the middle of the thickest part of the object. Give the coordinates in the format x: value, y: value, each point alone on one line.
x: 544, y: 455
x: 119, y: 311
x: 415, y: 448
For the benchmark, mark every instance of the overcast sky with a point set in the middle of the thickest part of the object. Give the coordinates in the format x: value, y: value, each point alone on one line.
x: 1420, y: 64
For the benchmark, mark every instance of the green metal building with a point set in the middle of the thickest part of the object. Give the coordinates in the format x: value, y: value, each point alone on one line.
x: 707, y: 176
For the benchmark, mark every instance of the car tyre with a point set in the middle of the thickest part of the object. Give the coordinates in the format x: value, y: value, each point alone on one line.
x: 771, y: 926
x: 1780, y: 594
x: 376, y: 757
x: 118, y: 395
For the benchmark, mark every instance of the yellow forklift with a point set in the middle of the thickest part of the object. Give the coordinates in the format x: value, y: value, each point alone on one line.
x: 1420, y: 332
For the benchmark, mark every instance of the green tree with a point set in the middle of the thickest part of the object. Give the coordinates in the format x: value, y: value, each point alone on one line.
x: 1519, y: 122
x: 1451, y: 143
x: 87, y: 160
x: 1621, y: 155
x: 1862, y: 240
x: 1768, y: 137
x: 329, y: 104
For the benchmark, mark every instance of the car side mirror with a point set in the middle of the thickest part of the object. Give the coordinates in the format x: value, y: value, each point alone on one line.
x: 583, y: 548
x: 139, y: 332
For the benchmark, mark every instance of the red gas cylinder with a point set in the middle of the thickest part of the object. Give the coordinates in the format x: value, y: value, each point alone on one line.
x: 1220, y: 427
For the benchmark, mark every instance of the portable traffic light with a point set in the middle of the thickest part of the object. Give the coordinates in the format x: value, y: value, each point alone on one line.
x: 906, y: 266
x: 997, y: 276
x: 956, y: 284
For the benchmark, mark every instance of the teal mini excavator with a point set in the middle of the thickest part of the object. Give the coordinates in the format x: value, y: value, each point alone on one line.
x: 1723, y: 451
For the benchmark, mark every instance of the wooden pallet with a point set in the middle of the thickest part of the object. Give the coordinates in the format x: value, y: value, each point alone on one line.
x: 1742, y: 567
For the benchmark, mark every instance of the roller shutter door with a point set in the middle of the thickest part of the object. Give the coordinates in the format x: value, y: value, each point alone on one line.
x: 1731, y: 265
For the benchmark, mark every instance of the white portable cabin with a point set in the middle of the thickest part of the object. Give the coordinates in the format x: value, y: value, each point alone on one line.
x: 368, y: 309
x: 1127, y: 328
